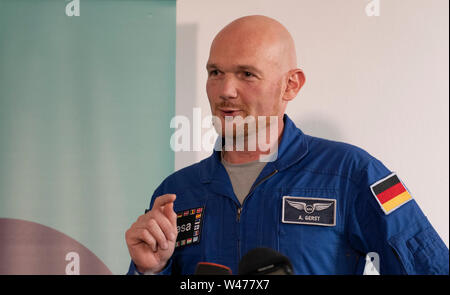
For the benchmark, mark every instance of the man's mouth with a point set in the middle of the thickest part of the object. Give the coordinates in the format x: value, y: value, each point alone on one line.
x: 229, y: 112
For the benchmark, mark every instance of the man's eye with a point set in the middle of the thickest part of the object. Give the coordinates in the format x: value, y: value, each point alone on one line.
x: 214, y: 73
x: 248, y: 74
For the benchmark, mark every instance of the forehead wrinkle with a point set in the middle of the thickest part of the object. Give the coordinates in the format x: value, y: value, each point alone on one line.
x: 260, y: 58
x: 258, y: 36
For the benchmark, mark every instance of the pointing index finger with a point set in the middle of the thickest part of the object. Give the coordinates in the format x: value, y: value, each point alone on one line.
x: 164, y: 200
x: 170, y: 214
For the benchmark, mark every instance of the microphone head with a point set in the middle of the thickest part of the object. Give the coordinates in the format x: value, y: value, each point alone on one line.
x: 264, y: 261
x: 209, y: 268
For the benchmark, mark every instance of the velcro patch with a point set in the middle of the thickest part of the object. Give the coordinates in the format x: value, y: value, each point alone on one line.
x: 390, y: 193
x: 189, y: 226
x: 312, y: 211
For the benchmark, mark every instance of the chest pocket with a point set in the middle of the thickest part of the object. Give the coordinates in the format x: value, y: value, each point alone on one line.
x: 190, y: 222
x: 316, y: 207
x: 310, y: 226
x: 202, y: 234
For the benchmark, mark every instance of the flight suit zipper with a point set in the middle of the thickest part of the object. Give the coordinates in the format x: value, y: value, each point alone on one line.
x: 239, y: 209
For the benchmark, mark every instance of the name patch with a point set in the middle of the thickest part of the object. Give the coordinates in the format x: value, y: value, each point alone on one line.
x: 189, y: 226
x: 312, y: 211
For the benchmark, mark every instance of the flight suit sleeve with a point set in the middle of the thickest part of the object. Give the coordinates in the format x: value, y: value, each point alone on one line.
x: 132, y: 270
x: 384, y: 218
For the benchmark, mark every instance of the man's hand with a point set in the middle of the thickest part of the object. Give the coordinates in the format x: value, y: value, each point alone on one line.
x: 151, y: 239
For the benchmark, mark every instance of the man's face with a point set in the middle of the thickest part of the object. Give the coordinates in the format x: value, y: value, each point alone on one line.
x: 244, y: 79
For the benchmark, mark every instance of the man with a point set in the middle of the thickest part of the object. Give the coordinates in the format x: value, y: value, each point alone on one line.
x: 323, y: 204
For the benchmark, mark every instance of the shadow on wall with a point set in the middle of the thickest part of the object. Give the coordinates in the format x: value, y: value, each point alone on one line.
x: 317, y: 125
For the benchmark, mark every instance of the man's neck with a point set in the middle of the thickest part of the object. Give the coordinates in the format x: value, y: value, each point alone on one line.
x: 245, y: 156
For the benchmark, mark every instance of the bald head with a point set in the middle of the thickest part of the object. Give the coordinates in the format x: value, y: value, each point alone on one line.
x: 261, y: 36
x: 252, y: 70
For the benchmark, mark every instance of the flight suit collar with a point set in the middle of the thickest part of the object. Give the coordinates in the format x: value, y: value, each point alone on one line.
x: 293, y: 147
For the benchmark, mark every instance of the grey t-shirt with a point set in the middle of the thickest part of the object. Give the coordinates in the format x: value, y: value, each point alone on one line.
x: 243, y: 176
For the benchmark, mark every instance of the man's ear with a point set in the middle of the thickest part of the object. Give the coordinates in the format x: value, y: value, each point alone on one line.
x: 295, y: 80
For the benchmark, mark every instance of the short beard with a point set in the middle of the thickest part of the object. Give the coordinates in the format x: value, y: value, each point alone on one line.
x: 245, y: 134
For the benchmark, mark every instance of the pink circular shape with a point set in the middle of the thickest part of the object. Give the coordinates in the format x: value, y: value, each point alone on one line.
x: 30, y: 248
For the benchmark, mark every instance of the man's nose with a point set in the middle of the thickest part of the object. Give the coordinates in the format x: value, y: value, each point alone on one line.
x: 228, y: 87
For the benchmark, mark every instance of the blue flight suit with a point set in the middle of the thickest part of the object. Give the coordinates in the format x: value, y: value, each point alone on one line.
x: 316, y: 176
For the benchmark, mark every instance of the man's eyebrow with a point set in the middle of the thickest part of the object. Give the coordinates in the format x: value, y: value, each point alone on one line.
x: 239, y: 67
x: 211, y: 66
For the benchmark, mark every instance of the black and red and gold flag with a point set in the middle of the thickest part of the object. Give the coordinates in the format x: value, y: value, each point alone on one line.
x: 390, y: 193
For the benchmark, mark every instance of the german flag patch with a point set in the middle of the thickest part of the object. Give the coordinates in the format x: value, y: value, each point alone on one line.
x: 390, y: 193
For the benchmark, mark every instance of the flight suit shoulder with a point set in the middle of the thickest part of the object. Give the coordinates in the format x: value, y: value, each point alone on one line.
x: 182, y: 180
x: 339, y: 158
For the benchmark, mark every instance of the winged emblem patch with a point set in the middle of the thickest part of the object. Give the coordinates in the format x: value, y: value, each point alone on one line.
x: 309, y: 208
x: 313, y: 211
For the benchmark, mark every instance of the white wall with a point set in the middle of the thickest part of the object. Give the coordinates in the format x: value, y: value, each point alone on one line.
x: 378, y: 82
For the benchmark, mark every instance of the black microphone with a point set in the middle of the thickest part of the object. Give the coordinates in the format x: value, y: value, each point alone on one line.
x: 209, y: 268
x: 264, y: 261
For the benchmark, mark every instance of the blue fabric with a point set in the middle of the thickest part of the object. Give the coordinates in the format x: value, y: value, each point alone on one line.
x: 306, y: 167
